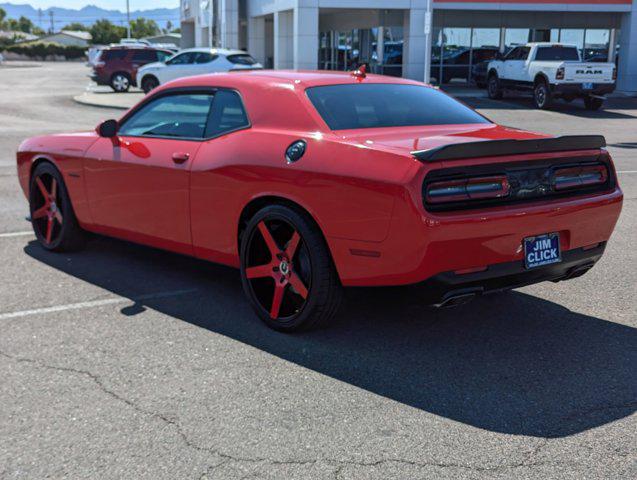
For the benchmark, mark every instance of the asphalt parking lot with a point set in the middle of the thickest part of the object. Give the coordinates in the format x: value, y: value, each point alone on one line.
x: 126, y: 362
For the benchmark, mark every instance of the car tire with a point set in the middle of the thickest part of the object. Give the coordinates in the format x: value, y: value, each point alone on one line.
x: 493, y: 87
x: 52, y: 216
x: 120, y: 82
x: 287, y: 270
x: 149, y: 83
x: 593, y: 103
x: 542, y: 97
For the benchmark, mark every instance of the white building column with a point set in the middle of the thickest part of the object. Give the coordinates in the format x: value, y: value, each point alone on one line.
x: 229, y: 23
x: 283, y: 39
x: 306, y: 35
x: 414, y: 45
x: 256, y: 38
x: 627, y: 70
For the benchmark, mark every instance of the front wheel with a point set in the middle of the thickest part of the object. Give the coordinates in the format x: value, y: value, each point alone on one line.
x: 149, y: 83
x: 542, y: 95
x: 52, y: 216
x: 287, y: 271
x: 592, y: 103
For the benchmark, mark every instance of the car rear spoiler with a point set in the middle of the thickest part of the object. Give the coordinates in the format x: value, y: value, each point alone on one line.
x: 494, y: 148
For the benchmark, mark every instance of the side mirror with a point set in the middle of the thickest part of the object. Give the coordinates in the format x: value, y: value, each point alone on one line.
x: 107, y: 129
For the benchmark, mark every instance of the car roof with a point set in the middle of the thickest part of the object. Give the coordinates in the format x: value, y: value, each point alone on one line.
x: 214, y: 51
x: 292, y: 78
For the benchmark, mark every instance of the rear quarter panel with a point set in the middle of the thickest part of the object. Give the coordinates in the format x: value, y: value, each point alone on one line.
x: 348, y: 190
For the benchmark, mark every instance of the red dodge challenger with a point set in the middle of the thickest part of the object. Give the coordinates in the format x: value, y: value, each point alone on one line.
x: 312, y: 181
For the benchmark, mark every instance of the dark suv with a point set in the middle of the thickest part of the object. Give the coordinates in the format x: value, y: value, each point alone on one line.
x: 117, y: 66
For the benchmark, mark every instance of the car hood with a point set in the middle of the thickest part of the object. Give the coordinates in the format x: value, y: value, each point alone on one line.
x: 404, y: 140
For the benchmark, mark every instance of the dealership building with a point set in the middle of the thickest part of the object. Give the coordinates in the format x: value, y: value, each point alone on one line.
x: 389, y: 35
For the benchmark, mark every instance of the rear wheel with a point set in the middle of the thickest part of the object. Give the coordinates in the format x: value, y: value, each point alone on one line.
x: 149, y: 83
x: 493, y: 87
x: 593, y: 103
x: 120, y: 82
x: 52, y: 215
x: 542, y: 97
x: 287, y: 271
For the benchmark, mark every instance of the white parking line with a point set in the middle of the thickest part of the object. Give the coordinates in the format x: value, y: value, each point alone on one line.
x: 16, y: 234
x: 94, y: 303
x: 627, y: 171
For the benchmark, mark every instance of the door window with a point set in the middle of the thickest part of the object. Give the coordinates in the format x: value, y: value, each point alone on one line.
x: 204, y: 57
x: 174, y: 116
x: 185, y: 58
x: 146, y: 56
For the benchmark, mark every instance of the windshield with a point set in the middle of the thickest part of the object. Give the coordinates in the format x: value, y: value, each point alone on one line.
x: 345, y: 107
x: 557, y: 53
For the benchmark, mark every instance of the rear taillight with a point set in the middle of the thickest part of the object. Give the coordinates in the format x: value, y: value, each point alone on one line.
x: 583, y: 176
x: 478, y: 188
x: 614, y: 73
x: 559, y: 75
x: 99, y: 64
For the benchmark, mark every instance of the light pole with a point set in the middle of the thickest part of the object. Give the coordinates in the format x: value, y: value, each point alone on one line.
x: 428, y: 34
x: 128, y: 19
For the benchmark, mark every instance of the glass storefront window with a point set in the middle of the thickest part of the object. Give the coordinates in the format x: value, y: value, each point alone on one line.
x: 596, y: 44
x: 514, y: 37
x: 572, y: 36
x: 456, y: 54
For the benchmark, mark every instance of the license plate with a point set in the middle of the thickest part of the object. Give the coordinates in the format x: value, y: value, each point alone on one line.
x: 542, y: 250
x: 587, y: 86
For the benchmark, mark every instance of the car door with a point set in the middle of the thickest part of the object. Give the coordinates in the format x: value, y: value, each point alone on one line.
x: 515, y: 64
x: 179, y: 66
x: 138, y: 182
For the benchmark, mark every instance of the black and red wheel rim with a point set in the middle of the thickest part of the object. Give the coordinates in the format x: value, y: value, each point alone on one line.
x: 45, y: 208
x: 278, y: 269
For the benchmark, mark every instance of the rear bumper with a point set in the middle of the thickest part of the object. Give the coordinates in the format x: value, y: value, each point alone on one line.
x: 424, y: 247
x: 443, y: 288
x: 576, y: 90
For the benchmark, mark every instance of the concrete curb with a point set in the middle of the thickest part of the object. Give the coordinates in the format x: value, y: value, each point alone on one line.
x: 108, y: 101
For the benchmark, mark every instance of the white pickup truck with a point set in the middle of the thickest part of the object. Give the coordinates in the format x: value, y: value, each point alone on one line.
x: 551, y: 70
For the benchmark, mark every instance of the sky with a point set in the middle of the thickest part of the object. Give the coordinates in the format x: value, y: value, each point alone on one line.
x: 110, y: 4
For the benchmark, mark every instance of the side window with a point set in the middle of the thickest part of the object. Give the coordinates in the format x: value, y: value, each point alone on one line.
x: 204, y: 57
x: 179, y: 116
x: 144, y: 56
x: 524, y: 53
x: 227, y: 113
x: 513, y: 54
x: 116, y: 54
x: 182, y: 59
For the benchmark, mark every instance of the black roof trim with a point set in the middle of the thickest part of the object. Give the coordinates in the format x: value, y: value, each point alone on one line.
x: 494, y: 148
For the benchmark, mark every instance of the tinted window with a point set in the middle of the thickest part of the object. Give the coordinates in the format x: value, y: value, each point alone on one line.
x: 163, y: 56
x: 387, y: 105
x: 182, y: 59
x: 117, y: 54
x: 241, y: 59
x: 227, y: 113
x: 180, y: 116
x: 556, y: 53
x: 144, y: 56
x: 204, y: 57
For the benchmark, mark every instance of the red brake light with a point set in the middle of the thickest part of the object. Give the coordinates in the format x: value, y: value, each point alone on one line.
x: 468, y: 189
x: 584, y: 176
x: 559, y: 75
x: 614, y: 73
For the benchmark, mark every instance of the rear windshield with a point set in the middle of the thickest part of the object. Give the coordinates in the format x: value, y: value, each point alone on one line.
x: 241, y: 59
x: 556, y: 53
x: 377, y: 105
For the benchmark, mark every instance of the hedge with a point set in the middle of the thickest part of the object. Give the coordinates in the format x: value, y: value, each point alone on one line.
x: 44, y: 49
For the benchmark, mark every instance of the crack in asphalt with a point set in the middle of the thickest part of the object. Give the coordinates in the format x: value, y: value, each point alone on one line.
x: 339, y: 465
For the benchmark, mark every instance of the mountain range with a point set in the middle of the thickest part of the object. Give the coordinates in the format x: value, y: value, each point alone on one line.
x: 87, y: 15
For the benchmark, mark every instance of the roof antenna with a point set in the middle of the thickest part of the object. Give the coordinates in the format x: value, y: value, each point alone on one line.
x: 360, y: 72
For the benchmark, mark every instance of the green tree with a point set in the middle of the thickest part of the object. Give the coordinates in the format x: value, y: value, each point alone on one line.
x: 76, y: 26
x: 25, y: 25
x: 3, y: 15
x: 141, y: 27
x: 104, y: 32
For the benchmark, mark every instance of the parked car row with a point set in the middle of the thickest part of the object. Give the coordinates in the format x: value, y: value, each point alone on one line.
x: 147, y: 67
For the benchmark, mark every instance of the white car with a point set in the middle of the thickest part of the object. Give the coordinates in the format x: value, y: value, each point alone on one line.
x: 551, y: 70
x: 194, y: 61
